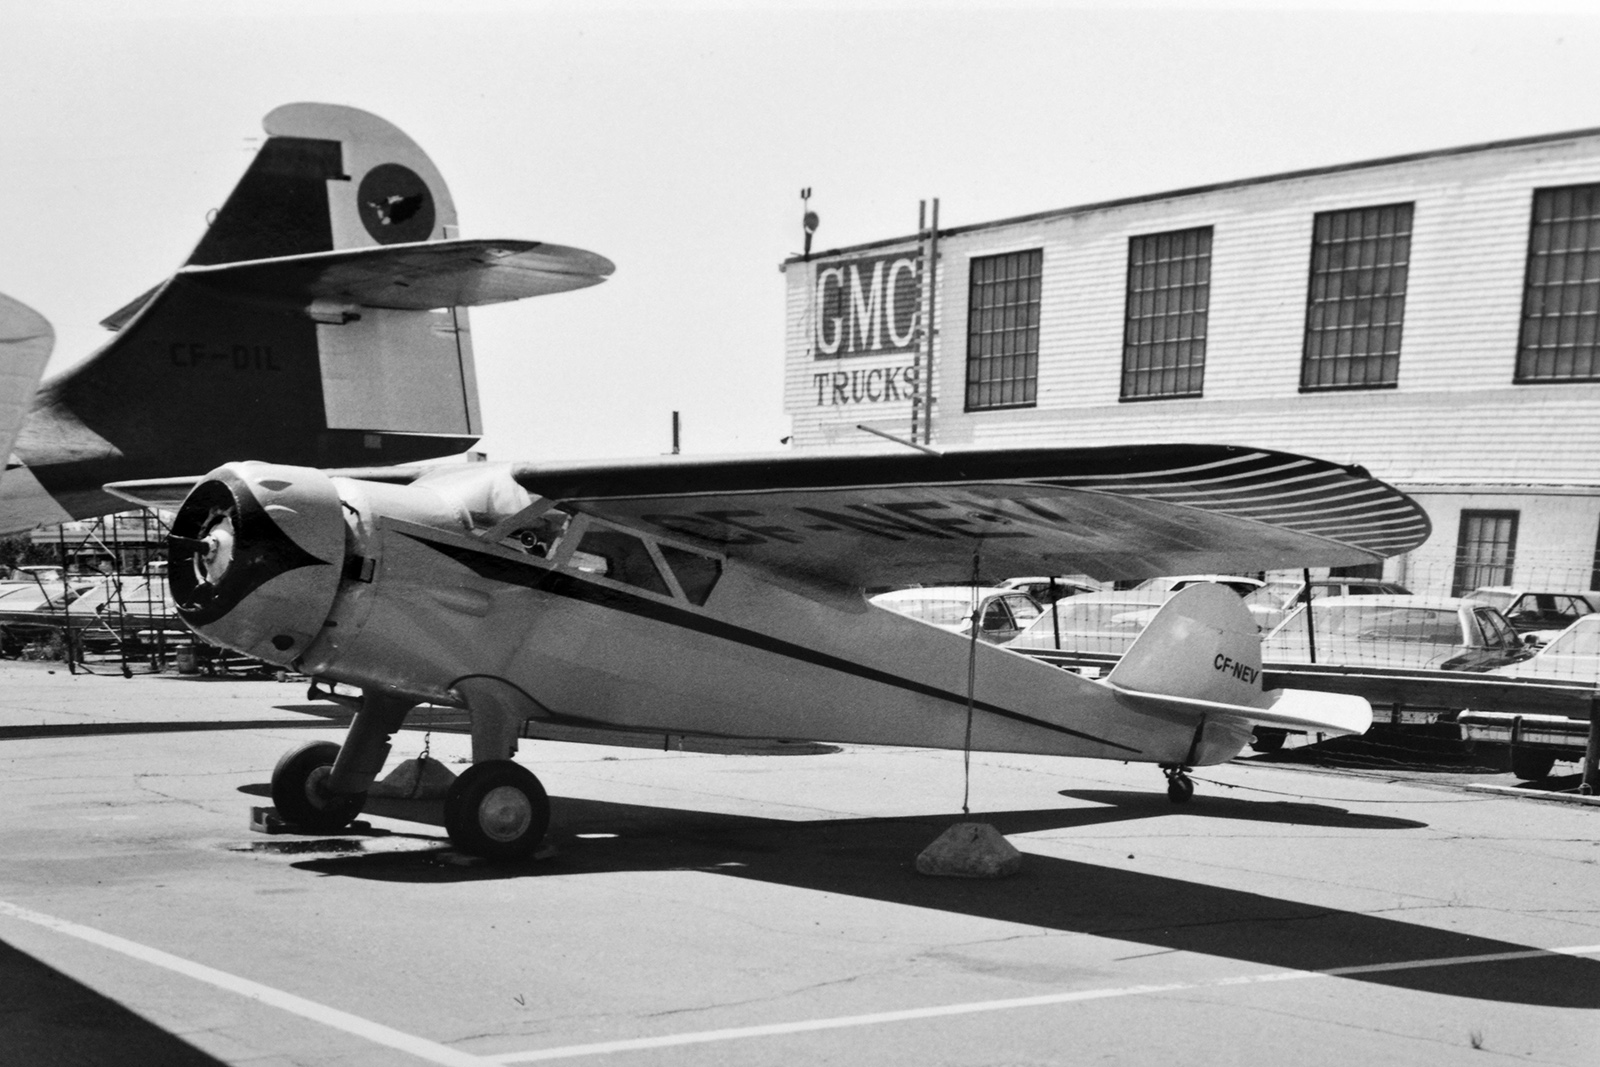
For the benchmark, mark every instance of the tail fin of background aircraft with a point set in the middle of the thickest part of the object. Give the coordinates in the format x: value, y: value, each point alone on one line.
x: 25, y: 342
x: 320, y: 321
x: 1199, y: 660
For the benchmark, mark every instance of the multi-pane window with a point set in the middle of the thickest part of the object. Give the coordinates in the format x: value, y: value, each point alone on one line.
x: 1486, y: 550
x: 1357, y: 300
x: 1561, y: 294
x: 1003, y: 330
x: 1169, y: 291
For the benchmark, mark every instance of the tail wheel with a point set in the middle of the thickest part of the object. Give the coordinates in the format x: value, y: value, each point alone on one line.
x: 1180, y: 787
x: 299, y: 790
x: 497, y: 809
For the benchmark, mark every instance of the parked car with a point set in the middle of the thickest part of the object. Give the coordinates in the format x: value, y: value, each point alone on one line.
x: 1002, y: 613
x: 1048, y: 590
x: 1536, y: 614
x: 1273, y: 602
x: 1535, y: 741
x: 1410, y: 632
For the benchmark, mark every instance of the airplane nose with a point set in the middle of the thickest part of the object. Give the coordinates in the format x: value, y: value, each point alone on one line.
x: 255, y: 557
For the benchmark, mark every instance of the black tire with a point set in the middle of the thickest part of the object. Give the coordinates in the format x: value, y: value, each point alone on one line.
x: 1531, y: 764
x: 497, y: 809
x: 1268, y: 739
x: 298, y: 794
x: 1180, y: 788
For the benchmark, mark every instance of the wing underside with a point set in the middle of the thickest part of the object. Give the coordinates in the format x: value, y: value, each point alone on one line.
x: 1113, y: 512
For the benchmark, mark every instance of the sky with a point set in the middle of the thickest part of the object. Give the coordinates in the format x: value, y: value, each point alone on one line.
x: 674, y: 138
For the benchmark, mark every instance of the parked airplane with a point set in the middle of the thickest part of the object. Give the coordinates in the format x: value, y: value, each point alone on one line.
x: 725, y: 598
x: 320, y: 320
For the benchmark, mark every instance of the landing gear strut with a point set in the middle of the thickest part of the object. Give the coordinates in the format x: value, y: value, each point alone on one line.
x: 1180, y: 787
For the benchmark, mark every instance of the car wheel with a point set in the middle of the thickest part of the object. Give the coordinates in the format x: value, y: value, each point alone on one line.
x: 1531, y: 764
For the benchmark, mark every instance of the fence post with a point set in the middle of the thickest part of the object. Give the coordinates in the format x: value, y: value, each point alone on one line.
x: 1591, y: 752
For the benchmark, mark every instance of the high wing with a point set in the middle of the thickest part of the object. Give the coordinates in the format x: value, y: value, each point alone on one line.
x: 1109, y: 512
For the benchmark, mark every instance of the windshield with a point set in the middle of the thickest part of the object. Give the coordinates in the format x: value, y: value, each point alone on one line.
x: 1275, y: 595
x: 1577, y: 641
x: 1363, y: 622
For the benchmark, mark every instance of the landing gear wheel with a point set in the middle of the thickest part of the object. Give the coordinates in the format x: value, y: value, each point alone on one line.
x: 1531, y: 765
x: 1180, y: 787
x: 299, y: 789
x: 497, y: 809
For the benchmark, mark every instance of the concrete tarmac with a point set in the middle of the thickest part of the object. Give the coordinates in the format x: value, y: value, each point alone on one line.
x: 765, y: 910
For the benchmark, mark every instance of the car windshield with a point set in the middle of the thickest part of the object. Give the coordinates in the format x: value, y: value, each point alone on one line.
x: 1274, y: 595
x: 1364, y: 622
x: 1576, y: 641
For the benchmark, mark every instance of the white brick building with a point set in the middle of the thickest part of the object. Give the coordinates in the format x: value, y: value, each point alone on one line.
x: 1431, y: 317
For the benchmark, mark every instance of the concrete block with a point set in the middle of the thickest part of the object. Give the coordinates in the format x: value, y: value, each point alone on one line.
x: 415, y: 779
x: 970, y: 850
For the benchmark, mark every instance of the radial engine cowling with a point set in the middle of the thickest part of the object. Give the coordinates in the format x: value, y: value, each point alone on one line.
x: 255, y: 558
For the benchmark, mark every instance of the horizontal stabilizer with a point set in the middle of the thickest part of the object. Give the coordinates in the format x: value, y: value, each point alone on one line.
x: 1334, y: 714
x: 410, y: 277
x: 25, y: 343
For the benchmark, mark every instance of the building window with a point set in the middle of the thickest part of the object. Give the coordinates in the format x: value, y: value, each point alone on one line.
x: 1486, y: 550
x: 1561, y: 294
x: 1357, y: 299
x: 1169, y: 291
x: 1003, y: 331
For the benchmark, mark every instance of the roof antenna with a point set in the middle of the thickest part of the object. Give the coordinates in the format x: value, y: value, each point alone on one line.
x: 809, y: 220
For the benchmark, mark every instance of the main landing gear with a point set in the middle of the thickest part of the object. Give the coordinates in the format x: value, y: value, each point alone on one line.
x: 300, y: 790
x: 496, y: 808
x: 1180, y: 787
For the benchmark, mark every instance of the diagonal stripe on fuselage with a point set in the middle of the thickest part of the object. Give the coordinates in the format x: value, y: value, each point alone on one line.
x: 532, y: 576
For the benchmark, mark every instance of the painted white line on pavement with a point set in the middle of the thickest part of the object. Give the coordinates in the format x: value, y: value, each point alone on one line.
x: 423, y: 1049
x: 601, y: 1048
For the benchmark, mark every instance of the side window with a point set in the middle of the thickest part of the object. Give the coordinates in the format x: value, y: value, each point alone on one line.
x: 995, y: 616
x: 1022, y: 609
x: 697, y: 574
x: 622, y: 557
x: 1496, y: 631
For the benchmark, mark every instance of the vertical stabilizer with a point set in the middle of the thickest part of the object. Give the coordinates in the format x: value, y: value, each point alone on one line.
x: 1203, y: 644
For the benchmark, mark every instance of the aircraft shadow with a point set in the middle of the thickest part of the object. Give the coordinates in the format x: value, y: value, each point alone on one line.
x: 104, y: 729
x: 49, y: 1018
x: 873, y: 859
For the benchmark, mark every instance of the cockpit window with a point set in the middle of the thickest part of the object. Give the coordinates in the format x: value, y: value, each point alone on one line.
x: 697, y: 574
x: 621, y: 557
